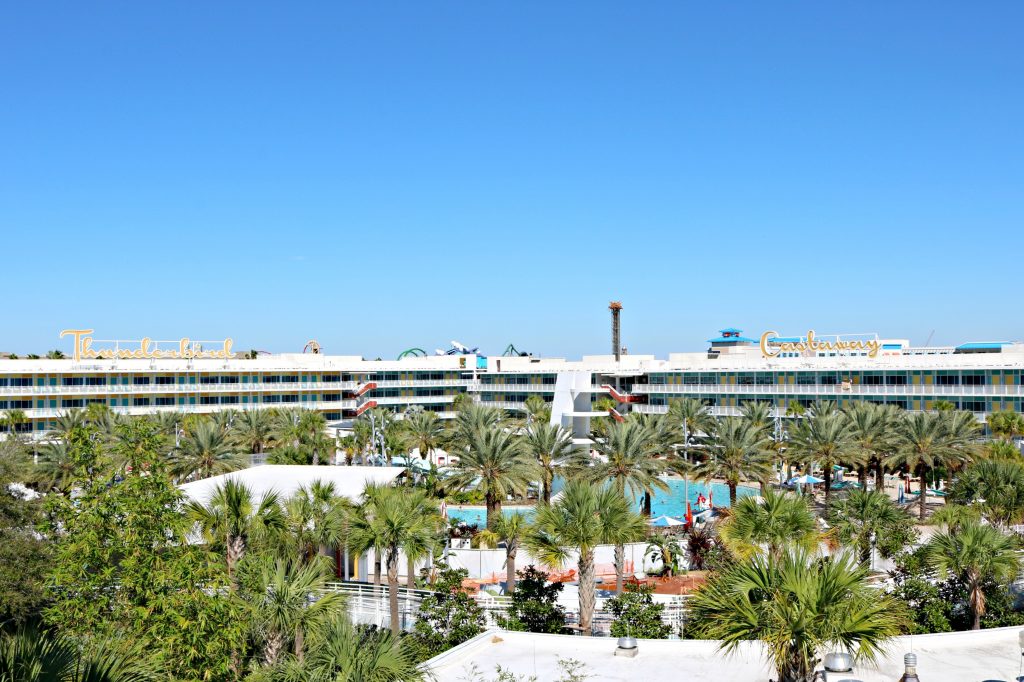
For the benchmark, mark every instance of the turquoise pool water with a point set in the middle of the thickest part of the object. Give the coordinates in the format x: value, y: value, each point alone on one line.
x: 671, y: 503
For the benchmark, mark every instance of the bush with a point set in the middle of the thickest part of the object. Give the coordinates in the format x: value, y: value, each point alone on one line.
x: 534, y: 606
x: 636, y: 614
x: 447, y: 617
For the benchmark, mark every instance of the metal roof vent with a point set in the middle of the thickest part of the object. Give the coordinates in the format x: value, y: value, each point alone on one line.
x: 626, y: 646
x: 838, y: 662
x: 910, y: 663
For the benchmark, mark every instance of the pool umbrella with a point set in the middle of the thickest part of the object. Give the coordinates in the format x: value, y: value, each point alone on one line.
x: 689, y: 514
x: 806, y: 478
x: 666, y: 522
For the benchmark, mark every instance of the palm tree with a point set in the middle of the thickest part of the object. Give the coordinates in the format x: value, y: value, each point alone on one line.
x: 975, y: 553
x: 863, y: 517
x: 632, y: 469
x: 206, y: 451
x: 288, y: 428
x: 497, y: 463
x: 630, y: 465
x: 254, y: 430
x: 11, y: 420
x: 57, y: 466
x: 55, y: 355
x: 768, y: 524
x: 289, y: 600
x: 693, y: 419
x: 396, y: 522
x: 344, y: 652
x: 315, y: 518
x: 665, y: 548
x: 759, y: 413
x: 552, y: 447
x: 873, y: 434
x: 30, y: 656
x: 923, y: 442
x: 737, y: 450
x: 232, y: 519
x: 537, y: 410
x: 67, y: 422
x: 823, y: 438
x: 314, y: 433
x: 471, y: 419
x: 1006, y: 424
x: 994, y: 486
x: 423, y: 431
x: 585, y: 515
x: 797, y: 605
x: 510, y: 529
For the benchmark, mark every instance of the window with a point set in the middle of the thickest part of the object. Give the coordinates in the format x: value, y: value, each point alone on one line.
x: 871, y: 380
x: 72, y: 402
x: 289, y: 399
x: 973, y: 380
x: 947, y: 380
x: 332, y: 397
x: 229, y: 400
x: 164, y: 401
x: 72, y: 381
x: 164, y: 381
x: 95, y: 381
x: 140, y: 381
x: 21, y: 381
x: 271, y: 399
x: 209, y: 400
x: 140, y: 402
x: 896, y: 380
x: 207, y: 379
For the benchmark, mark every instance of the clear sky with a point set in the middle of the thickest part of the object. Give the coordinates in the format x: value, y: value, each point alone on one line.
x: 383, y: 175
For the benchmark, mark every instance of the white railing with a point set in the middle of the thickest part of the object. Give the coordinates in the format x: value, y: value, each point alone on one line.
x: 369, y: 604
x: 411, y: 399
x: 53, y: 412
x: 414, y: 383
x: 514, y: 388
x: 838, y: 390
x: 251, y: 387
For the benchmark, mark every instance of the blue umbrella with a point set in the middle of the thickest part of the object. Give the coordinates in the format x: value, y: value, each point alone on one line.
x: 666, y: 521
x: 806, y: 478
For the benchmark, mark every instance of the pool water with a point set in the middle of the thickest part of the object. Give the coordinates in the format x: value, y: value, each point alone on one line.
x: 671, y: 503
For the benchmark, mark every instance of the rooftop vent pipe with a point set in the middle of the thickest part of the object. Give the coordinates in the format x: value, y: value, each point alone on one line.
x: 910, y: 663
x: 626, y: 646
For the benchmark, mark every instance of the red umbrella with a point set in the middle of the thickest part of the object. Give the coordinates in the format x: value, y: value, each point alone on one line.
x: 689, y: 514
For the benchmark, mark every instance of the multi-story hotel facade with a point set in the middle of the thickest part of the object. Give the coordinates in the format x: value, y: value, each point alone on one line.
x: 144, y: 377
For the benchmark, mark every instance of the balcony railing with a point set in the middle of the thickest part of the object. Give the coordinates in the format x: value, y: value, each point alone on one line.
x: 251, y: 387
x: 837, y: 390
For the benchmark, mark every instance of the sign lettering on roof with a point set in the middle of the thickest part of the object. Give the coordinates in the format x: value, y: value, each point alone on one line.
x: 771, y: 347
x: 147, y: 349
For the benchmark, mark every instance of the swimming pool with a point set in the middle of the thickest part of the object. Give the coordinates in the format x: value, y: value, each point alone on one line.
x: 671, y: 503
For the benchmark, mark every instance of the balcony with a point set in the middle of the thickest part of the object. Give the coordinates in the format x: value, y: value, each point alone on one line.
x: 832, y: 390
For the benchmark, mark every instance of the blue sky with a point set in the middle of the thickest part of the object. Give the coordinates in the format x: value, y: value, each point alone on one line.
x: 386, y: 175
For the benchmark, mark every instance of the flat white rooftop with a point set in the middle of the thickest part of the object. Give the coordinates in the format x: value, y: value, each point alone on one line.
x: 986, y: 655
x: 287, y: 478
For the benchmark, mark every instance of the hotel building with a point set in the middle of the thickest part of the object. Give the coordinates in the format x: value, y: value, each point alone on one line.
x: 145, y: 377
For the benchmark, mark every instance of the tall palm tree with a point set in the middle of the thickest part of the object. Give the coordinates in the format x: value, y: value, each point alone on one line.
x: 254, y: 429
x: 288, y: 600
x: 584, y: 516
x: 864, y: 516
x: 873, y: 435
x: 975, y: 553
x: 233, y: 518
x: 288, y: 428
x: 344, y: 652
x: 923, y: 442
x: 797, y: 605
x: 206, y: 451
x: 693, y: 419
x: 397, y: 522
x: 630, y: 463
x: 511, y: 529
x: 631, y: 468
x: 313, y: 425
x: 768, y: 524
x: 470, y: 420
x: 551, y: 446
x: 823, y: 438
x: 423, y: 431
x: 30, y: 656
x: 737, y: 450
x: 759, y: 413
x: 498, y: 464
x: 1006, y: 424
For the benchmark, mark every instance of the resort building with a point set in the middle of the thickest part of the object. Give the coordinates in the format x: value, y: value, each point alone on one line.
x: 786, y: 371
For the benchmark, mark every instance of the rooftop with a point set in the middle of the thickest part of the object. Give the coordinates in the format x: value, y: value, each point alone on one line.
x: 287, y: 478
x: 947, y: 657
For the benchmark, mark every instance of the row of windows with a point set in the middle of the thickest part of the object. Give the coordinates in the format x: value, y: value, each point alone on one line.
x: 969, y: 404
x: 15, y: 404
x: 869, y: 378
